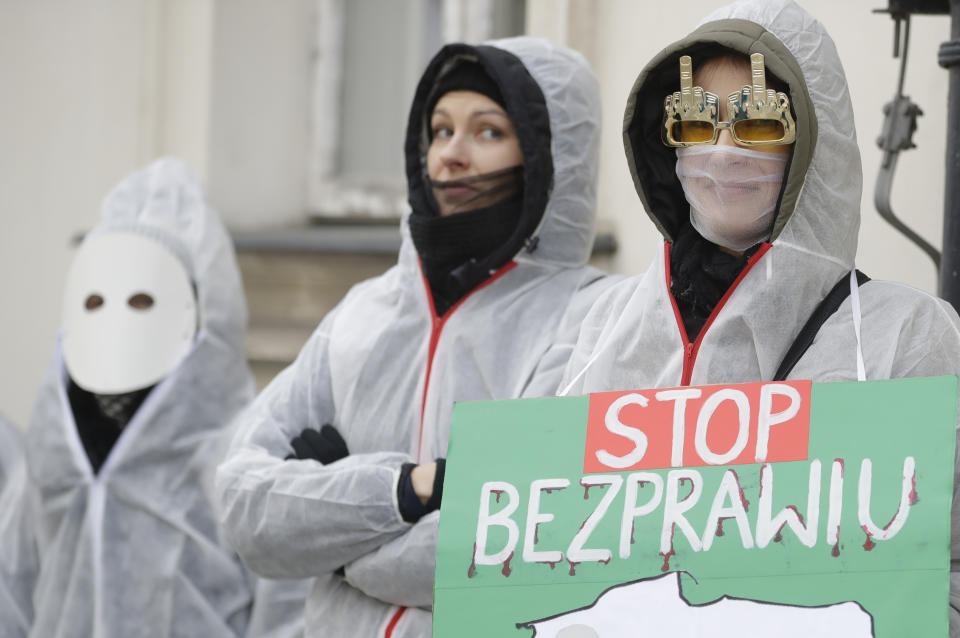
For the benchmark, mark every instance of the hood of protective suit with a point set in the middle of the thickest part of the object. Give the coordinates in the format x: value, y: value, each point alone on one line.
x: 165, y: 202
x: 385, y: 370
x: 135, y: 548
x: 819, y: 208
x: 11, y: 451
x: 552, y: 98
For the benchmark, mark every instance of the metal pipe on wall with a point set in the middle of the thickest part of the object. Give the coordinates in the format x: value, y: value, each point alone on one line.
x: 949, y: 58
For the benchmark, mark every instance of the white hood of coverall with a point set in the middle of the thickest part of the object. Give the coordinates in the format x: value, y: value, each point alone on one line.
x: 364, y: 371
x: 135, y: 550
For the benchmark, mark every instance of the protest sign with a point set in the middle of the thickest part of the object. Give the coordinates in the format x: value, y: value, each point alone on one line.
x: 789, y: 509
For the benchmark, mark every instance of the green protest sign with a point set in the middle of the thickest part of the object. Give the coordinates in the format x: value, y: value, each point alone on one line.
x: 788, y: 509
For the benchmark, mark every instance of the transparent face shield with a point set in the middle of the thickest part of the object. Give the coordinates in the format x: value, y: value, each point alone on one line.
x: 758, y: 116
x: 732, y: 192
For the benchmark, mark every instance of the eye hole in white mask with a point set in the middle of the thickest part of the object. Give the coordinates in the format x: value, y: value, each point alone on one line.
x: 732, y: 192
x: 140, y: 301
x: 93, y: 302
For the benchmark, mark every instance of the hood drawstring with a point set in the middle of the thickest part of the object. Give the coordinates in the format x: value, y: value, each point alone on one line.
x: 855, y: 310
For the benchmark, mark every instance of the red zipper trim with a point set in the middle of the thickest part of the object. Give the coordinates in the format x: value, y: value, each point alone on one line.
x: 690, y: 350
x: 436, y: 328
x: 393, y: 622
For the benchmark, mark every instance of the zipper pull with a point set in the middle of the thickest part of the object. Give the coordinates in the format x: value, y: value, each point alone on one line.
x: 531, y: 243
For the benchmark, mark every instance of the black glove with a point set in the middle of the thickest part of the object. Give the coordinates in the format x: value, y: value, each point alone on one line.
x: 411, y: 509
x: 325, y: 446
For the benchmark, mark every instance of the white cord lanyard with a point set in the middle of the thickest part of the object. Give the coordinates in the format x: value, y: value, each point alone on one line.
x: 855, y: 310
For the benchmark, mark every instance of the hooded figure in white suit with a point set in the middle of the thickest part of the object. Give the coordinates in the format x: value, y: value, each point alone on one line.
x: 702, y: 315
x: 445, y: 324
x: 133, y: 417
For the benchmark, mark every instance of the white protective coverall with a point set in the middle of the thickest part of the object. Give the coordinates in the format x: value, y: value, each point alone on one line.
x: 135, y: 549
x: 633, y: 338
x: 385, y: 371
x: 18, y: 552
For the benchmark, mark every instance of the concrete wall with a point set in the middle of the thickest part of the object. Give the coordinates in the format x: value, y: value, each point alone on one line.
x: 257, y: 133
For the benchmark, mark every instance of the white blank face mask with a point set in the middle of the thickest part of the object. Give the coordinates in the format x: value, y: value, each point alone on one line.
x: 129, y: 313
x: 732, y: 192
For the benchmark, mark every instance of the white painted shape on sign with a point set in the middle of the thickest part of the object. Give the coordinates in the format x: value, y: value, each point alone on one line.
x: 656, y: 607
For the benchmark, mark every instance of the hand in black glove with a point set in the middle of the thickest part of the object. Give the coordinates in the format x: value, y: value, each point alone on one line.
x: 325, y: 446
x: 412, y: 507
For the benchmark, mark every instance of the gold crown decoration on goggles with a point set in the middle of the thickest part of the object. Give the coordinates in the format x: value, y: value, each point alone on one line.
x: 758, y: 116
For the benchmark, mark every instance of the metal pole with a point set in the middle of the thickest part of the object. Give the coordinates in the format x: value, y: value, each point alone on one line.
x: 949, y: 58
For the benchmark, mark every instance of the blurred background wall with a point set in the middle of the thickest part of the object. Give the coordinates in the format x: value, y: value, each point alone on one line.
x: 293, y: 111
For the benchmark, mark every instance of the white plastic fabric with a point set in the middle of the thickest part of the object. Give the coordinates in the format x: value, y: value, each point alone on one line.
x: 135, y: 550
x: 732, y: 192
x: 631, y: 339
x: 18, y: 552
x: 364, y: 371
x: 117, y: 347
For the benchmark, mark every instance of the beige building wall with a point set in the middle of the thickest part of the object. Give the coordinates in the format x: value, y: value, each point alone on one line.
x: 620, y: 36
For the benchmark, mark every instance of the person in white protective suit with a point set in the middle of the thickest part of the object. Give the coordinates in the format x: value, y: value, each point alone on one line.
x: 18, y: 553
x: 743, y: 266
x: 484, y: 303
x: 132, y: 419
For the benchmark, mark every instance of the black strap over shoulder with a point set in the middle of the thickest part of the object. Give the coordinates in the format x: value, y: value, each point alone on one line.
x: 829, y: 305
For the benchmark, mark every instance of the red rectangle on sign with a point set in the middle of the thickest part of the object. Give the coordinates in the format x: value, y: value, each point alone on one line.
x: 698, y: 426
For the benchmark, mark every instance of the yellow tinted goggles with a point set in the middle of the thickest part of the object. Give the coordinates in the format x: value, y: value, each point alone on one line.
x: 758, y: 116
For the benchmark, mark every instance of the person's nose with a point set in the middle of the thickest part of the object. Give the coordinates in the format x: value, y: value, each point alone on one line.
x: 455, y: 154
x: 725, y: 138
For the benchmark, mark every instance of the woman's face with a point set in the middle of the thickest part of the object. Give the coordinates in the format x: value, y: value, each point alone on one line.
x: 471, y: 135
x: 732, y: 190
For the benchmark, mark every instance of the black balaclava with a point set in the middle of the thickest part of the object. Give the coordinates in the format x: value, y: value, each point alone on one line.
x: 100, y: 418
x: 446, y: 242
x: 460, y: 250
x: 465, y: 76
x: 700, y: 274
